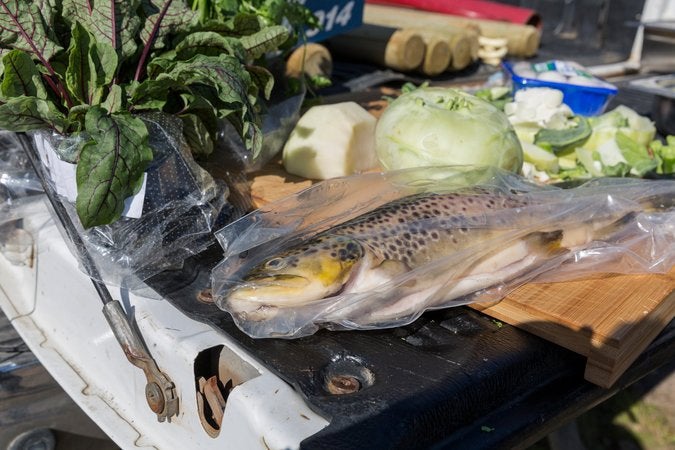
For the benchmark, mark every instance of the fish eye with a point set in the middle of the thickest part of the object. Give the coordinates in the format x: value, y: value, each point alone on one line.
x: 275, y: 263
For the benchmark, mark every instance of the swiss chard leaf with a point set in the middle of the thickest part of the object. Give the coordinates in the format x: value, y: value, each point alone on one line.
x: 262, y: 78
x: 21, y: 76
x: 164, y: 17
x: 265, y: 40
x: 153, y: 94
x: 22, y: 27
x: 197, y: 135
x: 115, y: 99
x: 91, y: 66
x: 111, y: 165
x: 105, y: 61
x: 31, y: 113
x: 81, y: 76
x: 209, y: 43
x: 228, y: 86
x: 114, y: 22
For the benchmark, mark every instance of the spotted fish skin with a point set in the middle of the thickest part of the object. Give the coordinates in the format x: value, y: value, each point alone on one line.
x: 420, y: 228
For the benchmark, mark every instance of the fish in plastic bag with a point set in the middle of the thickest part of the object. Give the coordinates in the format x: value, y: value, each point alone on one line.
x: 437, y: 243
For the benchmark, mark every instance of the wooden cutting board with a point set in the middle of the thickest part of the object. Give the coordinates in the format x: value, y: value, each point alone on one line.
x: 610, y: 319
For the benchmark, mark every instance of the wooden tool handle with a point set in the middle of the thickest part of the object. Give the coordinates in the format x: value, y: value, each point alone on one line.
x: 522, y: 40
x: 312, y: 59
x: 438, y: 54
x: 398, y: 49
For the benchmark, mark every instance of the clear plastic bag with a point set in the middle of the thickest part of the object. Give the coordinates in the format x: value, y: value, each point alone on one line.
x: 377, y: 250
x: 182, y: 205
x: 19, y: 185
x: 21, y: 206
x: 277, y: 123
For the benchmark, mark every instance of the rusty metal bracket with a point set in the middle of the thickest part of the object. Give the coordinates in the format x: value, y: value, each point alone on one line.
x: 160, y: 392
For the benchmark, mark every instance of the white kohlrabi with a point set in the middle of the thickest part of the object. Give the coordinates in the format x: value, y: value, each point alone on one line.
x: 433, y: 126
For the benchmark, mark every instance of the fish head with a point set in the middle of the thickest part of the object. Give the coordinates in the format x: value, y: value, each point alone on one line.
x: 311, y: 271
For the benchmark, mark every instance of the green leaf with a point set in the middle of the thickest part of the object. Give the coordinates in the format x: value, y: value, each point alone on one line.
x: 164, y: 17
x: 115, y: 100
x: 81, y: 76
x: 76, y: 116
x: 114, y: 22
x: 105, y: 61
x: 563, y: 141
x: 209, y: 43
x: 262, y: 78
x: 153, y: 94
x: 161, y: 64
x: 197, y: 135
x: 30, y: 113
x: 111, y: 165
x: 22, y: 27
x: 665, y: 153
x: 21, y: 76
x: 265, y: 40
x: 636, y: 155
x: 228, y: 86
x: 617, y: 170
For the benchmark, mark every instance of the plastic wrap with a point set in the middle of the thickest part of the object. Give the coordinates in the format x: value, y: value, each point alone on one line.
x: 21, y: 207
x: 377, y: 250
x: 277, y: 123
x: 19, y: 184
x: 182, y: 205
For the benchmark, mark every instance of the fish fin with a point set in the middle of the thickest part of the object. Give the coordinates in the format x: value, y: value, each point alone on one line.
x: 586, y: 232
x: 385, y: 271
x: 550, y: 243
x: 392, y: 267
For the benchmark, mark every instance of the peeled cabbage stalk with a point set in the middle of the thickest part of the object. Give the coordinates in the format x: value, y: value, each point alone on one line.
x: 433, y: 126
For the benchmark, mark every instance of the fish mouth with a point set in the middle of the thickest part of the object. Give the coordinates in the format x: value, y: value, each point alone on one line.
x: 271, y: 283
x: 268, y: 289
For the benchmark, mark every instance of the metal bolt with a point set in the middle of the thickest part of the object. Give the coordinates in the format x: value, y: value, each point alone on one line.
x: 343, y: 384
x: 155, y: 397
x: 205, y: 296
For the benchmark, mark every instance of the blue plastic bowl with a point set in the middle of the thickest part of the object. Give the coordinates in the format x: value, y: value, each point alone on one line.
x: 582, y: 100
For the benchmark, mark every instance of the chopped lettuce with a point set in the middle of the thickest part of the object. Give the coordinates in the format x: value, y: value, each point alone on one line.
x: 621, y: 119
x: 664, y: 154
x: 637, y: 156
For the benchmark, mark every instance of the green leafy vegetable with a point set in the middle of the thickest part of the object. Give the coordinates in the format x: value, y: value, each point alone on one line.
x: 87, y: 66
x: 21, y: 76
x: 111, y: 165
x: 30, y: 113
x: 113, y: 22
x: 636, y: 155
x: 665, y: 154
x: 564, y: 140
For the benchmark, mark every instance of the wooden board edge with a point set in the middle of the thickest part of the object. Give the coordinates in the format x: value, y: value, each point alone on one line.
x: 577, y: 340
x: 603, y: 369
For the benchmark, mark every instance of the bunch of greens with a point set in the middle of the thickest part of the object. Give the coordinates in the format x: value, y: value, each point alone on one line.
x: 91, y: 67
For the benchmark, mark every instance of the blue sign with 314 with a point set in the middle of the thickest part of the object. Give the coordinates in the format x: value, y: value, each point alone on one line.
x: 335, y: 17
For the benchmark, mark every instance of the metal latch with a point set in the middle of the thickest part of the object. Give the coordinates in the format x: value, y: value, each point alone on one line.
x: 160, y: 392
